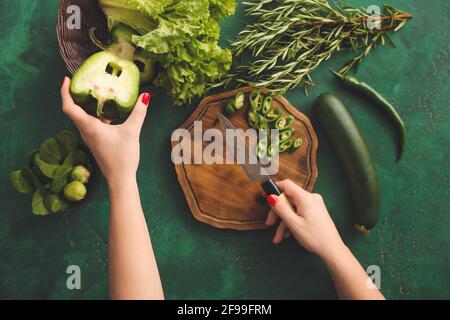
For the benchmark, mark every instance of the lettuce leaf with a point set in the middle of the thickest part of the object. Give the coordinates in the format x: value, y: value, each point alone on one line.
x: 179, y: 22
x: 222, y: 8
x: 140, y: 15
x: 187, y: 69
x: 181, y: 35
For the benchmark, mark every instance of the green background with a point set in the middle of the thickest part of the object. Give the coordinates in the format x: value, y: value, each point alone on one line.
x: 410, y: 242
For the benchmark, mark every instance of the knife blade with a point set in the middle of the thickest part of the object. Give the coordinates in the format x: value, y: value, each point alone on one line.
x: 251, y: 165
x: 251, y: 170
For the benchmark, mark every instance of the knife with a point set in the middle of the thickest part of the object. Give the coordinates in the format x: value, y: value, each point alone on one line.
x: 254, y: 171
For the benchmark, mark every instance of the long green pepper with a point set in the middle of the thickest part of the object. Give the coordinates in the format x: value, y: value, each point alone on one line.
x: 369, y: 92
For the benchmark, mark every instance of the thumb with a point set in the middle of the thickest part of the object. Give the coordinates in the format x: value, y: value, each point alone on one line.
x: 137, y: 116
x: 283, y: 209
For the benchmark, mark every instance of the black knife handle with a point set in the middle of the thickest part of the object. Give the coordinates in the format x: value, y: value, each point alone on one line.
x: 270, y: 187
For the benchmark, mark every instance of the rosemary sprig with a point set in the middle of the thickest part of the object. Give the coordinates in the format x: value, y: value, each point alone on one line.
x: 291, y: 38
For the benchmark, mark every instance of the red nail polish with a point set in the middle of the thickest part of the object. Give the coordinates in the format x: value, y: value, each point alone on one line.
x: 272, y: 200
x: 146, y: 98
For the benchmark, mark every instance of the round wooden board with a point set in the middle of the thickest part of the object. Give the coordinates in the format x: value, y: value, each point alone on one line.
x: 221, y: 195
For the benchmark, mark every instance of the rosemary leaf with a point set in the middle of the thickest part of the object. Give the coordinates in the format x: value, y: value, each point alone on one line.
x: 291, y: 38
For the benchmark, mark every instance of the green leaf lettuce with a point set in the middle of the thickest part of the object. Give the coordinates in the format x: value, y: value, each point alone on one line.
x: 181, y: 36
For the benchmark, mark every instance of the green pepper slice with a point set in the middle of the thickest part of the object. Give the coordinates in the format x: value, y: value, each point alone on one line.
x: 262, y: 148
x: 272, y: 150
x: 297, y: 143
x: 263, y: 124
x: 273, y: 114
x: 108, y: 79
x: 284, y: 122
x: 253, y: 119
x: 235, y: 104
x: 267, y: 105
x: 286, y: 134
x: 285, y: 145
x: 255, y: 100
x: 229, y: 108
x: 238, y: 101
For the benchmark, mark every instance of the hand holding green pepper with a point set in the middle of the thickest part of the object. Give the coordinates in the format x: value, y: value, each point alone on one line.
x: 105, y: 140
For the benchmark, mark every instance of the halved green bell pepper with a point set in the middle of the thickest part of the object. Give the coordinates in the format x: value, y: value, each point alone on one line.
x: 113, y: 82
x: 122, y: 46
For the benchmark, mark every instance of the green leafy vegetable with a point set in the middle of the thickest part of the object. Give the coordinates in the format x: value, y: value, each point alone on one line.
x: 45, y: 168
x: 50, y: 152
x: 37, y: 203
x: 31, y: 177
x: 181, y: 36
x: 19, y: 182
x: 61, y: 178
x: 47, y: 181
x: 138, y: 14
x: 75, y: 157
x: 67, y: 142
x: 54, y: 202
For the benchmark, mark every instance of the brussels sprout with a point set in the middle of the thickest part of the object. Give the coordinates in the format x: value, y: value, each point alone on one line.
x: 47, y: 169
x: 54, y: 202
x: 80, y: 173
x: 37, y: 203
x: 75, y: 191
x: 67, y: 142
x: 50, y: 152
x: 20, y: 183
x: 61, y: 178
x: 75, y: 158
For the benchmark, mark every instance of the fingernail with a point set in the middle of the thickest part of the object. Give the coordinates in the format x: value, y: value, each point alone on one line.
x: 272, y: 200
x: 146, y: 98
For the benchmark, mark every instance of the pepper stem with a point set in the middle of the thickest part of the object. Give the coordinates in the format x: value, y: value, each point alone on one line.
x: 97, y: 42
x: 100, y: 105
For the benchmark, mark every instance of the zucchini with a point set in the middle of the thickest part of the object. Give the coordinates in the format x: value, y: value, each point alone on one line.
x: 355, y: 156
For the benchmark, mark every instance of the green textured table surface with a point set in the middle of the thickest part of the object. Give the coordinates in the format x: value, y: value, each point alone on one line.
x: 410, y: 243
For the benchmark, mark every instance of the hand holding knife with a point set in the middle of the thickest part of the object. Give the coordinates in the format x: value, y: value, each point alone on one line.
x: 254, y: 171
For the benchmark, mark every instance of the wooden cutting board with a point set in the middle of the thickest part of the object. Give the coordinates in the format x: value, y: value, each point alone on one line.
x: 221, y: 195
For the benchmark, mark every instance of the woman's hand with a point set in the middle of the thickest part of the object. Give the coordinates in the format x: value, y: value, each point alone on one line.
x: 115, y: 147
x: 311, y: 224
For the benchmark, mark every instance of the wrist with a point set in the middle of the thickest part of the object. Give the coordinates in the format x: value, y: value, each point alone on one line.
x: 122, y: 182
x: 334, y: 254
